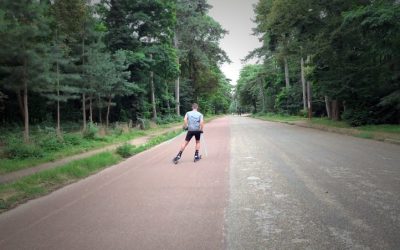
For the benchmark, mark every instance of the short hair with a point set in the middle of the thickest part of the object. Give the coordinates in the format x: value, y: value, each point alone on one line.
x: 195, y: 106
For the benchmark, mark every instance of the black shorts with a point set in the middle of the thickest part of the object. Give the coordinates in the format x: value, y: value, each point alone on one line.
x: 190, y: 134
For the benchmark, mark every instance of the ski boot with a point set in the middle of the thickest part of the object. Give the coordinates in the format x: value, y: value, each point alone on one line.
x: 197, y: 158
x: 176, y: 159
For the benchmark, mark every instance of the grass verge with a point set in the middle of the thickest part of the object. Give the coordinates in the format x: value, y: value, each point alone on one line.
x: 384, y: 132
x: 44, y: 182
x: 278, y: 117
x: 73, y: 144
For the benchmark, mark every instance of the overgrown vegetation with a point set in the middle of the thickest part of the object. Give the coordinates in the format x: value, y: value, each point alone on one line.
x: 46, y: 181
x: 342, y: 57
x: 377, y: 132
x: 125, y: 150
x: 45, y: 146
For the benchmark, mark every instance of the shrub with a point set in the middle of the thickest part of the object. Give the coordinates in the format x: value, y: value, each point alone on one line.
x: 23, y: 150
x: 288, y: 101
x: 72, y: 139
x: 126, y: 150
x: 144, y: 123
x: 50, y: 142
x: 303, y: 113
x: 117, y: 131
x: 168, y: 119
x: 91, y: 131
x: 358, y: 117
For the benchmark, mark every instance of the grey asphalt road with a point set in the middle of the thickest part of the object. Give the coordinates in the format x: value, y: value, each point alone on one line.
x: 299, y: 188
x: 263, y: 186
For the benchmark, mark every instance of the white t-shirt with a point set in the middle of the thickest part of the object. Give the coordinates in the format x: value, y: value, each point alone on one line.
x: 194, y: 119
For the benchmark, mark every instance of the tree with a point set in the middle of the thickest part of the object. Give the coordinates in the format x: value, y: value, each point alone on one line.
x: 23, y: 47
x: 198, y: 37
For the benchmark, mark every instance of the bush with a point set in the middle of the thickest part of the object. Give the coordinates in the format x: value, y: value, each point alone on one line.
x: 22, y: 150
x: 303, y: 113
x: 50, y: 142
x: 126, y: 150
x: 144, y: 123
x: 168, y: 119
x: 117, y: 131
x: 358, y: 117
x: 289, y: 101
x: 91, y: 131
x: 72, y: 139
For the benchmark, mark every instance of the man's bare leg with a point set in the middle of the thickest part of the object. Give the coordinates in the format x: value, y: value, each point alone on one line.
x: 184, y: 145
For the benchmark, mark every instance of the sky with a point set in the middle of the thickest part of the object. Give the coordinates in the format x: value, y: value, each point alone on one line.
x: 236, y: 17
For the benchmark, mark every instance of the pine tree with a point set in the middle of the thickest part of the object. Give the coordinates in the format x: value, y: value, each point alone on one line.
x: 24, y: 44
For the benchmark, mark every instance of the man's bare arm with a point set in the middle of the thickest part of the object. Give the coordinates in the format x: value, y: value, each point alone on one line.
x: 185, y: 122
x: 202, y: 124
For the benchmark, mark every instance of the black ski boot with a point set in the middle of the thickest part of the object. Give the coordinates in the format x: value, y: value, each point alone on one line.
x: 197, y: 157
x: 177, y: 158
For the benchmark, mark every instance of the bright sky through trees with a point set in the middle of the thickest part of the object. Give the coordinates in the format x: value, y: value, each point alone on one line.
x: 236, y: 17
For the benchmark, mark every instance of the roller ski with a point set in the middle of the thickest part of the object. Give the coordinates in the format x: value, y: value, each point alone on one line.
x: 197, y: 158
x: 176, y: 159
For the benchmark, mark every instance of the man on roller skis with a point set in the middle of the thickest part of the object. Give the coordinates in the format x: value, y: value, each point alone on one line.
x: 194, y: 123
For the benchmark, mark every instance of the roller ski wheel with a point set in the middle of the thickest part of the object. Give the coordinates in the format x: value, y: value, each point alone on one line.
x: 197, y: 158
x: 175, y: 160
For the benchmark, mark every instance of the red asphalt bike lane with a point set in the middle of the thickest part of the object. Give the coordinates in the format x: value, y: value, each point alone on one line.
x: 145, y: 202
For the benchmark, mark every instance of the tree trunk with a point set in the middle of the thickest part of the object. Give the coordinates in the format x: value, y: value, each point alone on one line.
x: 84, y: 110
x: 168, y: 104
x: 262, y: 95
x: 99, y: 106
x: 286, y: 72
x: 335, y: 110
x: 328, y: 107
x: 83, y: 74
x: 303, y: 83
x: 58, y: 129
x: 309, y: 100
x: 26, y: 111
x: 90, y: 109
x: 177, y: 81
x: 108, y: 111
x: 21, y: 104
x: 153, y: 97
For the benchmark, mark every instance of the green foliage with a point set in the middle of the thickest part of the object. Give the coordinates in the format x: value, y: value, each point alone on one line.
x: 288, y: 101
x: 91, y: 131
x: 46, y: 181
x: 168, y: 119
x: 72, y: 139
x: 358, y: 117
x: 67, y: 54
x: 117, y: 131
x: 125, y: 150
x: 365, y: 135
x: 352, y: 49
x: 386, y: 128
x: 19, y: 150
x: 51, y: 143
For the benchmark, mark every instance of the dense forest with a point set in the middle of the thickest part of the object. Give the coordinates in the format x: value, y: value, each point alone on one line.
x: 339, y: 59
x: 73, y: 61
